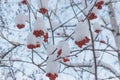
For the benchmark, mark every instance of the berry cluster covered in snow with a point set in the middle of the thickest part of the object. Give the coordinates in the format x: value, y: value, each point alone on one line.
x: 56, y: 54
x: 81, y: 34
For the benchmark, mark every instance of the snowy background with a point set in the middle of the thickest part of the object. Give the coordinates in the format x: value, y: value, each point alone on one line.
x: 21, y: 63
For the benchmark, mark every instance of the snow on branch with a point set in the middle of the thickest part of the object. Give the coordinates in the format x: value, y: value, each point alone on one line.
x: 99, y: 64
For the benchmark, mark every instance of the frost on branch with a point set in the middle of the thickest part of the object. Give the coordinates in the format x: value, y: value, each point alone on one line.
x: 32, y: 41
x: 81, y: 34
x: 43, y: 6
x: 54, y: 24
x: 98, y: 54
x: 20, y: 21
x: 99, y: 63
x: 83, y: 3
x: 87, y: 10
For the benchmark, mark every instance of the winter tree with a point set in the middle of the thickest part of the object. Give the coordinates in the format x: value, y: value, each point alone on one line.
x: 59, y: 40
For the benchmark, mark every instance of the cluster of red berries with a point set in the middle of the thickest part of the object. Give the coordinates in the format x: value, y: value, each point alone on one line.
x: 52, y: 76
x: 39, y: 33
x: 24, y: 2
x: 82, y: 42
x: 32, y: 46
x: 20, y: 26
x: 45, y: 37
x: 65, y: 59
x: 92, y: 16
x: 97, y: 30
x: 99, y: 4
x: 102, y: 41
x: 43, y: 10
x: 59, y: 52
